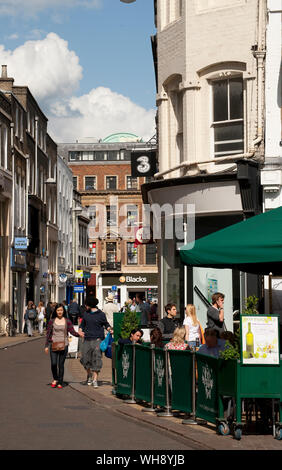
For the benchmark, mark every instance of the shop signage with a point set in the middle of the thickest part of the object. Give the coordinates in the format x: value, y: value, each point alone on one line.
x: 20, y: 243
x: 143, y: 163
x: 146, y: 279
x: 260, y: 339
x: 78, y: 288
x: 79, y: 274
x: 86, y: 275
x: 63, y: 278
x: 18, y: 259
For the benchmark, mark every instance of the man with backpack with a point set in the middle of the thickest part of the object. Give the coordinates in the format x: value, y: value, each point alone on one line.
x: 30, y: 316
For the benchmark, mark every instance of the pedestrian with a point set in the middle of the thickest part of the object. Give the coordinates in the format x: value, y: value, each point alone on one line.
x: 64, y: 302
x: 178, y: 340
x: 168, y: 324
x: 93, y: 323
x: 30, y: 315
x: 133, y: 305
x: 144, y: 308
x: 57, y: 341
x: 73, y: 311
x: 215, y: 314
x: 109, y: 309
x: 193, y: 327
x: 40, y: 317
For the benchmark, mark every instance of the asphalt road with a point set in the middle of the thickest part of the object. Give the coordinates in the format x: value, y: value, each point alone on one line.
x: 36, y: 417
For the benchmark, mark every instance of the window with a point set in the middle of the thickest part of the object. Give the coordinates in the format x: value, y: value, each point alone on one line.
x: 74, y: 179
x: 87, y: 155
x: 90, y: 182
x: 151, y: 254
x: 228, y: 122
x: 113, y: 155
x: 132, y: 216
x: 4, y: 146
x: 99, y: 156
x: 111, y: 252
x: 93, y: 216
x: 92, y: 252
x: 73, y: 156
x: 111, y: 182
x: 132, y: 253
x: 111, y: 215
x: 131, y: 182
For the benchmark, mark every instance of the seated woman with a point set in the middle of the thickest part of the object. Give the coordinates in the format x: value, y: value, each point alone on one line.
x: 178, y: 340
x: 156, y: 338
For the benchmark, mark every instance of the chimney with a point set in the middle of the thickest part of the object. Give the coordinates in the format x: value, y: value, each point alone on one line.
x: 6, y: 83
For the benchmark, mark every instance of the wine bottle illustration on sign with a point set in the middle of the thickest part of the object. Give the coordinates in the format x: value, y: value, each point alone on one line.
x: 250, y: 342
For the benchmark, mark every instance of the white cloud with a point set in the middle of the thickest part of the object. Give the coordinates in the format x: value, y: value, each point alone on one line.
x: 53, y: 73
x: 33, y: 7
x: 46, y: 66
x: 99, y: 113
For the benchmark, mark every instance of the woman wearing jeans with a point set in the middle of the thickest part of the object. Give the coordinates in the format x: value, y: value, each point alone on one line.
x: 57, y: 332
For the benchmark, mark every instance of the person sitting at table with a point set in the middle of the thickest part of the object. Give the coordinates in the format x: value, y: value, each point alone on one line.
x: 135, y: 337
x: 156, y: 337
x: 178, y: 340
x: 213, y: 344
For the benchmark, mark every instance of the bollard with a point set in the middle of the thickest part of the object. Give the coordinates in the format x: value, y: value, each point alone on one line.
x: 192, y: 419
x: 131, y: 401
x: 167, y: 412
x: 151, y: 408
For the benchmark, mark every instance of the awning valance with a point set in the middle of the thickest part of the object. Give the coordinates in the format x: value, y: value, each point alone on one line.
x: 254, y: 245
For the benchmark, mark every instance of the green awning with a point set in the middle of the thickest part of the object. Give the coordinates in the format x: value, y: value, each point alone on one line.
x: 254, y: 245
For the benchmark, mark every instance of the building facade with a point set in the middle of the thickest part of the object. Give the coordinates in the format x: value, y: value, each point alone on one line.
x: 30, y: 156
x: 65, y: 242
x: 210, y: 64
x: 6, y: 192
x: 102, y: 175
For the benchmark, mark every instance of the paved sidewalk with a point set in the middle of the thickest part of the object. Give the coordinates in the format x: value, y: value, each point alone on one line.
x: 204, y: 436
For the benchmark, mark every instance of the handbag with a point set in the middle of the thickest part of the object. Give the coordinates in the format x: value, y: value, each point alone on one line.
x: 60, y: 345
x: 104, y: 344
x: 108, y: 352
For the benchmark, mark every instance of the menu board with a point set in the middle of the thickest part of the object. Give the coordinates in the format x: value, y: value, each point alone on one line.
x: 260, y: 339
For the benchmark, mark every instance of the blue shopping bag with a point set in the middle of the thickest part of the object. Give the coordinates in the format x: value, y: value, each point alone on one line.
x: 104, y: 344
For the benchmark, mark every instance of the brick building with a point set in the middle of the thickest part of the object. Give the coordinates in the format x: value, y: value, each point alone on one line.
x: 102, y: 175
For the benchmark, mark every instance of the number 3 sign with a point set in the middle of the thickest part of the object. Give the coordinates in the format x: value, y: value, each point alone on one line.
x: 143, y: 163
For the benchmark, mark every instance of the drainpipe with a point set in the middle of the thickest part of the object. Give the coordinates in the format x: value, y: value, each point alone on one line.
x: 13, y: 184
x: 35, y: 155
x: 27, y: 179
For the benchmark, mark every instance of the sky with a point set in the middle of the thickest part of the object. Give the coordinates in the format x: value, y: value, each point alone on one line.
x: 88, y: 63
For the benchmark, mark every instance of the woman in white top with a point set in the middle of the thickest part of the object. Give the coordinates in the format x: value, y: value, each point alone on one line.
x: 192, y: 326
x: 40, y: 317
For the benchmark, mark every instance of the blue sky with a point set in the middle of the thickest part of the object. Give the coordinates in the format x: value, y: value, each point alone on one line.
x: 85, y: 61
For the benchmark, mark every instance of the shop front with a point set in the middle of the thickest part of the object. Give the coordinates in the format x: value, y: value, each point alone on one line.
x: 127, y: 286
x: 186, y: 209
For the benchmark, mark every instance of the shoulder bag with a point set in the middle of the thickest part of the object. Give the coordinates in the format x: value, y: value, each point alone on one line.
x: 60, y: 345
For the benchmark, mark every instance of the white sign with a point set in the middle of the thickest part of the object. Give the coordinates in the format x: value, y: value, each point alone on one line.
x: 259, y: 338
x: 73, y: 341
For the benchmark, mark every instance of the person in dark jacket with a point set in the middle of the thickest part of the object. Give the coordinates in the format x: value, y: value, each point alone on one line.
x: 215, y: 314
x: 73, y: 311
x: 93, y: 323
x: 135, y: 337
x: 168, y: 324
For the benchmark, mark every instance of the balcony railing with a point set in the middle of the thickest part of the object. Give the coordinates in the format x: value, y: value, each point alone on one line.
x: 110, y: 266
